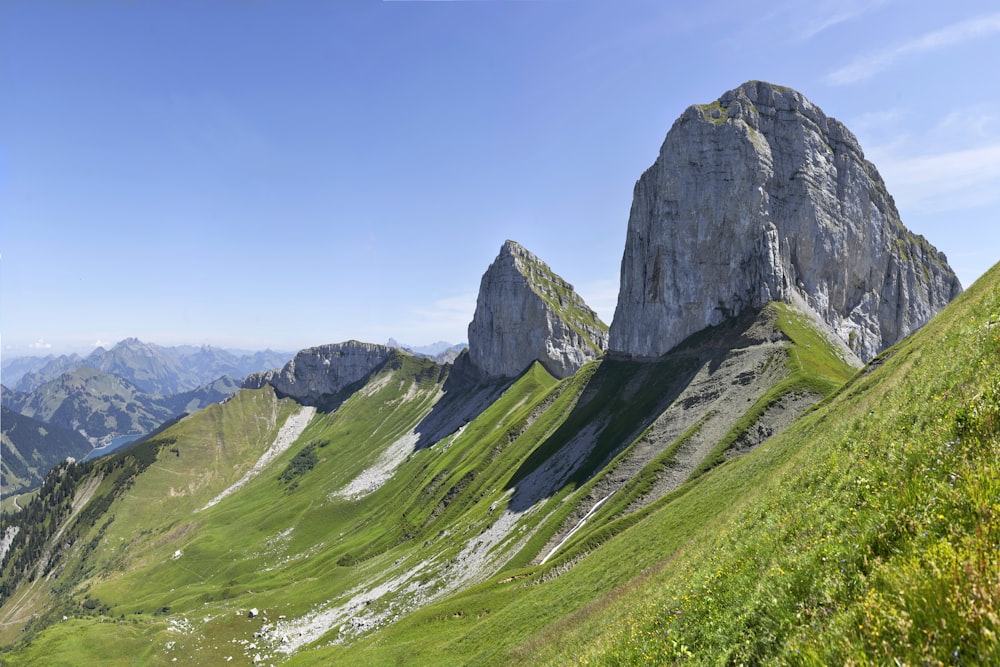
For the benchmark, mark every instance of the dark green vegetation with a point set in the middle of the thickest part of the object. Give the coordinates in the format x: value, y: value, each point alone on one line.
x: 864, y: 533
x: 31, y: 448
x: 85, y: 401
x: 300, y: 464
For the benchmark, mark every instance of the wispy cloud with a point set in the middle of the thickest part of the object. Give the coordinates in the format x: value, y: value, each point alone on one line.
x: 868, y: 65
x: 445, y: 319
x: 947, y: 181
x: 831, y: 14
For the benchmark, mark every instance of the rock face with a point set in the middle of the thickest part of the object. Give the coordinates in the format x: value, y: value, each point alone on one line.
x: 524, y: 313
x: 755, y: 197
x: 318, y: 373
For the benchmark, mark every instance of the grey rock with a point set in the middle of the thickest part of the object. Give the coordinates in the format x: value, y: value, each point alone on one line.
x: 760, y: 196
x: 319, y: 373
x: 527, y: 313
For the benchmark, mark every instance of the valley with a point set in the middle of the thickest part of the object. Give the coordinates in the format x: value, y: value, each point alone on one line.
x: 788, y: 461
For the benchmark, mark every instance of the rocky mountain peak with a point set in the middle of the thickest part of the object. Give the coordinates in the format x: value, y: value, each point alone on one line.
x: 317, y: 374
x: 525, y: 312
x: 757, y: 197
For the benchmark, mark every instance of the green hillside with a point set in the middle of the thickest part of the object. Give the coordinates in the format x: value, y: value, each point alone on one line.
x: 864, y: 534
x: 31, y: 448
x: 94, y: 402
x: 56, y: 419
x: 624, y: 515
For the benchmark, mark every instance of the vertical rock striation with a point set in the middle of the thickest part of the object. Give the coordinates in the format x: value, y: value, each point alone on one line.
x: 524, y: 313
x: 319, y: 373
x: 753, y: 198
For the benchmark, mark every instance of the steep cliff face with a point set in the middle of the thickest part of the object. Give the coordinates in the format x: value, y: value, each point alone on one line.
x: 524, y: 313
x: 755, y: 197
x: 317, y: 373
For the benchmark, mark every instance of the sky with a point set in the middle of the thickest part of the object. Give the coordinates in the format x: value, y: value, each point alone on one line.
x: 265, y: 174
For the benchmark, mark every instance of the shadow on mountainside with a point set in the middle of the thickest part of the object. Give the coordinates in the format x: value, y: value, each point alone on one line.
x: 327, y: 403
x: 625, y: 397
x: 466, y: 396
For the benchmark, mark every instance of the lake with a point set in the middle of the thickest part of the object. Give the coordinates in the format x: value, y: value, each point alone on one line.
x: 120, y: 441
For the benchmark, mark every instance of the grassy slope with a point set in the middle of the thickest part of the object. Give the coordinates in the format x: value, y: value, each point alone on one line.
x: 231, y: 552
x: 865, y: 534
x: 322, y: 544
x: 506, y: 620
x: 732, y: 550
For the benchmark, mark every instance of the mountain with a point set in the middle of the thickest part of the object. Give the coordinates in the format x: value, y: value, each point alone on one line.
x: 13, y: 399
x: 760, y: 197
x: 99, y: 406
x: 155, y: 369
x: 525, y: 312
x: 748, y: 496
x: 319, y: 374
x: 96, y: 404
x: 15, y: 368
x: 102, y: 406
x: 200, y: 397
x: 441, y: 351
x: 31, y: 448
x: 26, y: 373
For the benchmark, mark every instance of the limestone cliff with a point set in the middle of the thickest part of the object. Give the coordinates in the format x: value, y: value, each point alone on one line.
x: 524, y: 313
x: 317, y: 374
x: 758, y: 197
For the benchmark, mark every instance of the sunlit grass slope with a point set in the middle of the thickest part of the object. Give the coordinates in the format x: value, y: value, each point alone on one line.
x: 288, y: 540
x: 304, y: 535
x: 862, y: 533
x: 866, y: 533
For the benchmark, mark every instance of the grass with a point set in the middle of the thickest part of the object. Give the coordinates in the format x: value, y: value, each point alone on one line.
x: 865, y: 533
x: 813, y: 367
x: 707, y: 111
x: 826, y: 545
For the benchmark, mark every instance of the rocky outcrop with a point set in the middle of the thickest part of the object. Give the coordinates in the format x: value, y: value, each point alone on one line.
x: 524, y: 313
x: 317, y: 374
x: 759, y: 196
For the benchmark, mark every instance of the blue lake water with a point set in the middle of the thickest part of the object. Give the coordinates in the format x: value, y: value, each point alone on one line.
x: 111, y: 446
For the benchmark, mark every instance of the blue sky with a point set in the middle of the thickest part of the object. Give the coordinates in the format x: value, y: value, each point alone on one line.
x: 286, y: 174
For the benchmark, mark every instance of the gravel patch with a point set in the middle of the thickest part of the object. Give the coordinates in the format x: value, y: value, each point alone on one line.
x: 289, y: 433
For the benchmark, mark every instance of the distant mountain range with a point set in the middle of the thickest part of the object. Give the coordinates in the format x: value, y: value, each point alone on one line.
x: 782, y: 451
x: 153, y: 369
x: 442, y: 351
x: 64, y: 406
x: 101, y: 406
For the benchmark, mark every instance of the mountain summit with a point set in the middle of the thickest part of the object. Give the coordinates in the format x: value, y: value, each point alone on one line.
x: 758, y: 197
x: 525, y: 312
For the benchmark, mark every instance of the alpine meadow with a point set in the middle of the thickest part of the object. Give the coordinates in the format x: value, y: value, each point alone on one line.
x: 783, y: 450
